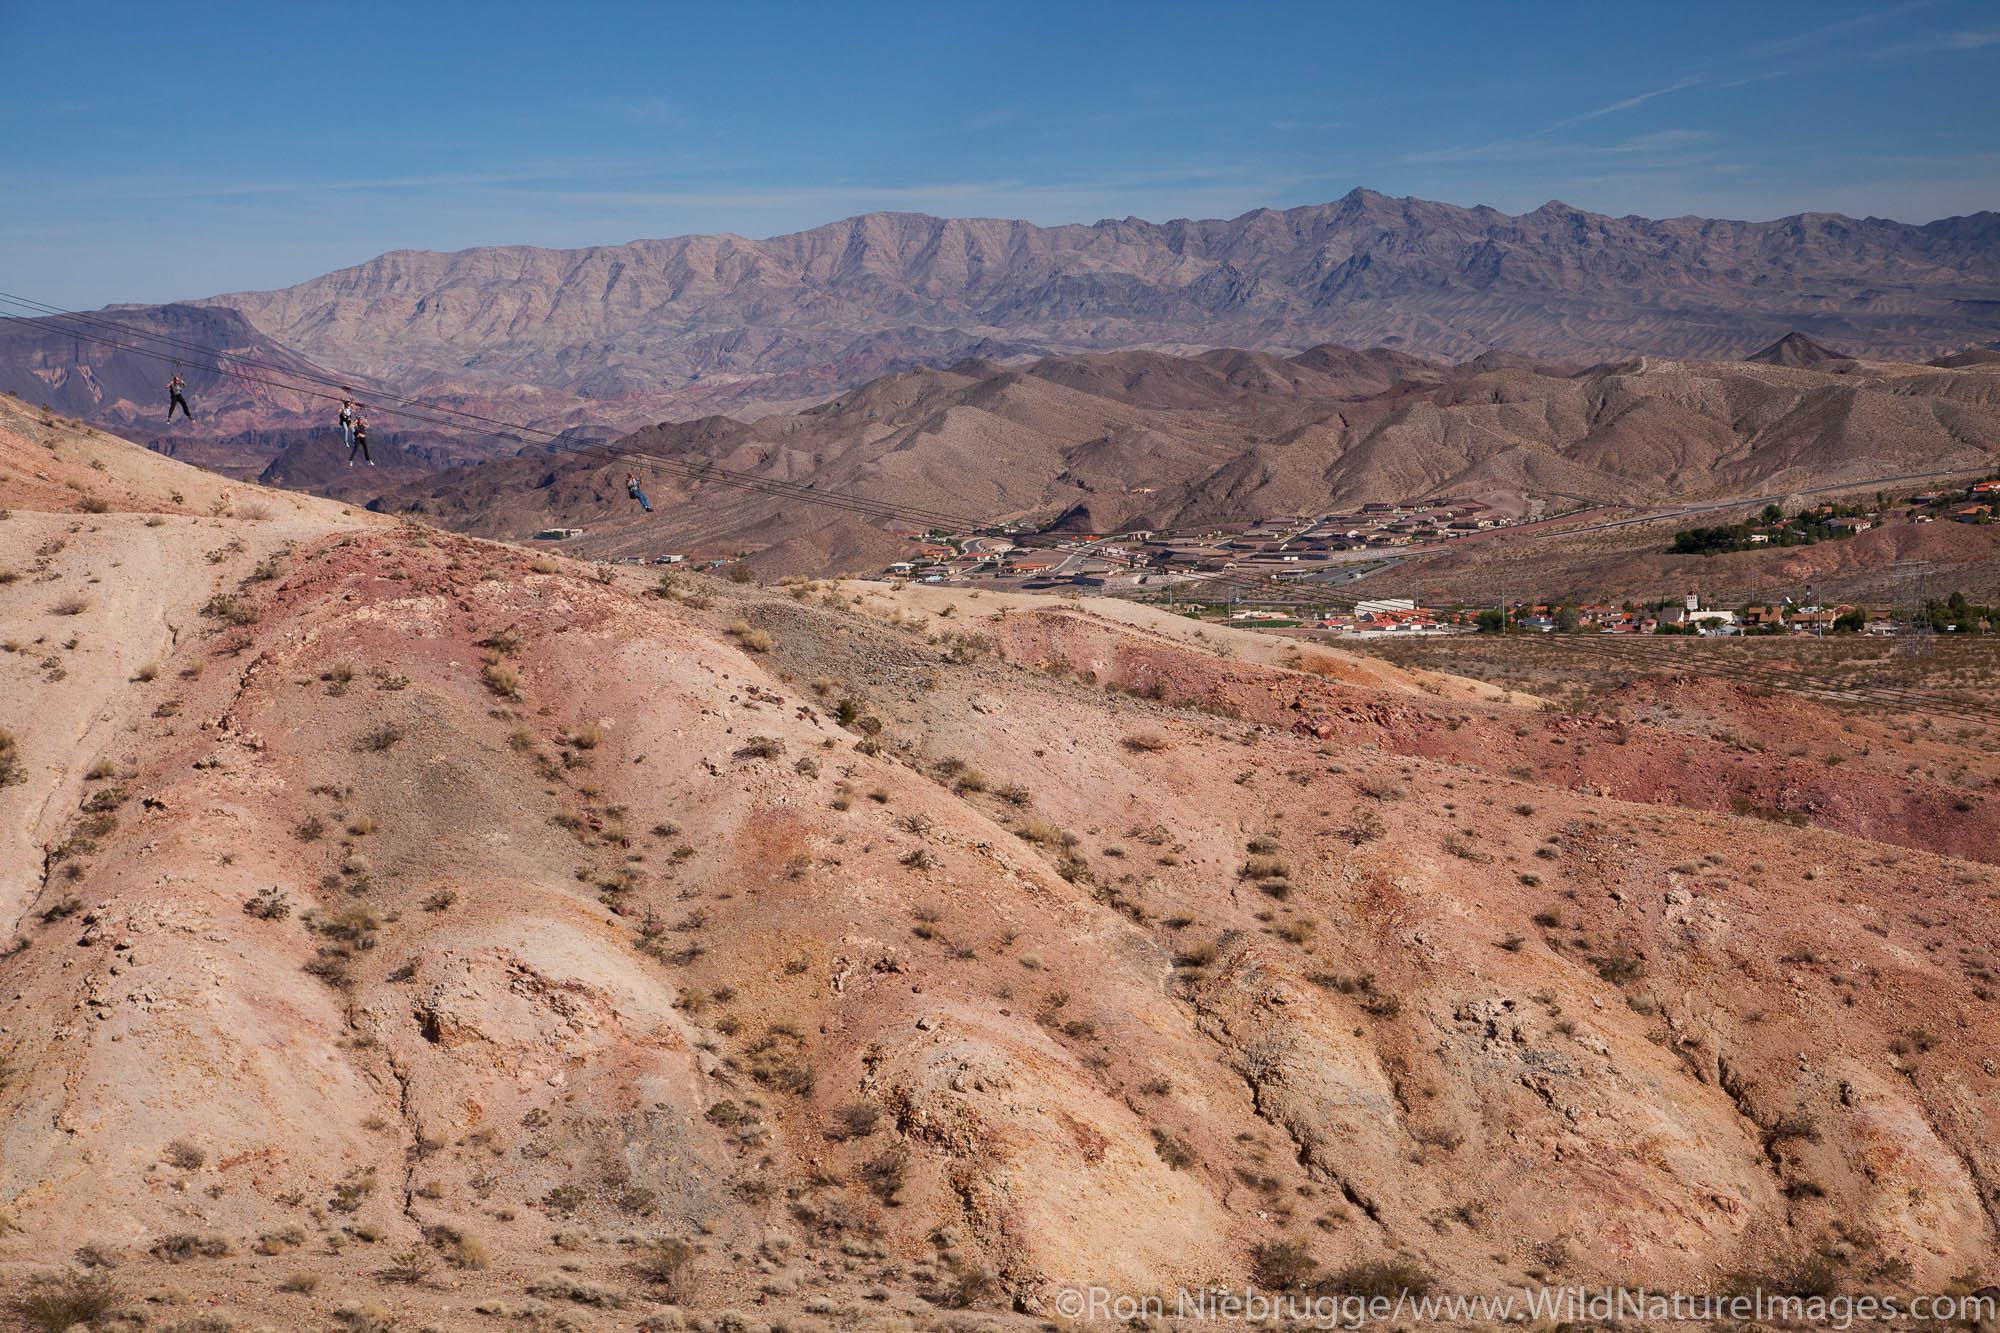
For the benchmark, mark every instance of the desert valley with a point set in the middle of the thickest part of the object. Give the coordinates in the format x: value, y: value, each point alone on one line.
x: 584, y: 749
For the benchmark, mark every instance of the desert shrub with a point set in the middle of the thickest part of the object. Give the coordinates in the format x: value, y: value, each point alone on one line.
x: 587, y: 737
x: 1281, y: 1265
x: 303, y: 1283
x: 1799, y: 1125
x: 565, y: 1199
x: 503, y: 641
x: 181, y: 1246
x: 66, y: 906
x: 333, y: 966
x: 231, y: 609
x: 1804, y: 1273
x: 183, y: 1155
x: 1383, y: 788
x: 1386, y: 1278
x: 885, y: 1174
x: 70, y: 606
x: 1363, y: 825
x: 741, y: 573
x: 382, y: 737
x: 356, y: 923
x: 856, y: 1120
x: 1200, y: 954
x: 282, y: 1241
x: 1463, y: 847
x: 502, y: 679
x: 1172, y: 1150
x: 753, y: 640
x: 1044, y: 834
x: 668, y: 1263
x: 963, y: 1286
x: 10, y: 757
x: 1146, y: 742
x: 360, y: 1317
x: 1298, y: 932
x: 1265, y: 867
x: 1620, y: 965
x: 727, y: 1115
x: 565, y: 1287
x: 270, y: 904
x: 778, y: 1060
x: 761, y: 747
x: 53, y: 1302
x: 409, y: 1266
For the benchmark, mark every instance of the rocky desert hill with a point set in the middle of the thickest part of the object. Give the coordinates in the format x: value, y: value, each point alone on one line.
x: 617, y: 337
x: 849, y: 298
x: 407, y: 929
x: 1128, y: 440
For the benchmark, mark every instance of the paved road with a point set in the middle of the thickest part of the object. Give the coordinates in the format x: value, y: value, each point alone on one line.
x: 1661, y: 515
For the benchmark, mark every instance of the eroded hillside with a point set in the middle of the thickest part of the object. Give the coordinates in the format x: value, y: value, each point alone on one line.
x: 1144, y: 441
x: 413, y: 927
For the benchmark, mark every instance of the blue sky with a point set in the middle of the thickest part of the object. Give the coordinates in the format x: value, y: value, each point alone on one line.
x: 161, y: 151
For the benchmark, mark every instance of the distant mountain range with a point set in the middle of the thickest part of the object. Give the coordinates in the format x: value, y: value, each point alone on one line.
x: 1104, y: 442
x: 614, y: 337
x: 728, y: 324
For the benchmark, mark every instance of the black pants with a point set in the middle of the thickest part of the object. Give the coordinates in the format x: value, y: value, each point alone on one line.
x: 360, y: 443
x: 175, y: 400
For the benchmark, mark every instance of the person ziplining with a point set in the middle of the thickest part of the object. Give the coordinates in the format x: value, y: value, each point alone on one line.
x: 177, y: 397
x: 632, y: 489
x: 359, y: 443
x: 347, y: 426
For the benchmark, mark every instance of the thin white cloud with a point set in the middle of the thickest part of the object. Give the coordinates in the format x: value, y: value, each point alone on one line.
x: 343, y: 186
x: 653, y: 111
x: 1749, y: 79
x: 1829, y: 31
x: 1640, y: 99
x: 1660, y: 139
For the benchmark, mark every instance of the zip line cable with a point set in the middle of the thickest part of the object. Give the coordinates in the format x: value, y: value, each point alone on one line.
x: 429, y: 413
